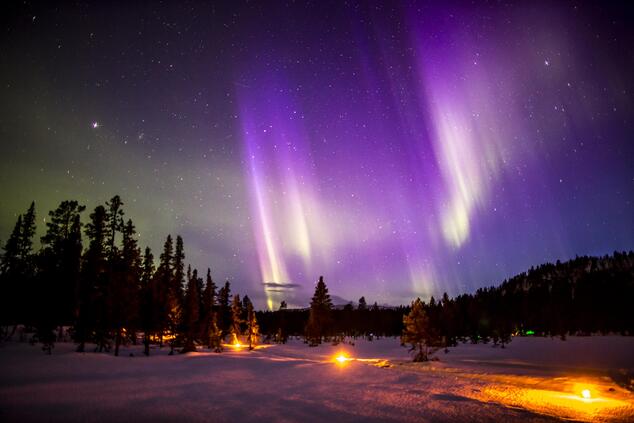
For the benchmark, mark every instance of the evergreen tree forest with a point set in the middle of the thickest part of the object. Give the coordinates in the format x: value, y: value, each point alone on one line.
x: 583, y: 296
x: 90, y: 280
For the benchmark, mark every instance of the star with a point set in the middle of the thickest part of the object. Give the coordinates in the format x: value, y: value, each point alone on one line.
x: 95, y: 125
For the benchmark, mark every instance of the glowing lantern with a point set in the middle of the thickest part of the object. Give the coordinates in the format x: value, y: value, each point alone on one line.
x: 586, y: 394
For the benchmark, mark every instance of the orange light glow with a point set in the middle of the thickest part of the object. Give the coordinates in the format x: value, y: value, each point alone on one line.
x: 580, y: 403
x: 341, y: 359
x: 235, y: 342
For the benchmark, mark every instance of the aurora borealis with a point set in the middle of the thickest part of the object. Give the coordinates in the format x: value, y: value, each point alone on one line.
x: 400, y: 149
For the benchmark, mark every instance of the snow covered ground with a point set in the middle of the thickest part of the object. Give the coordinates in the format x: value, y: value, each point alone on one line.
x: 533, y: 379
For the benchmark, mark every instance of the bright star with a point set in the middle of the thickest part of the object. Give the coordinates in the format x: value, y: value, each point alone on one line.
x: 95, y: 125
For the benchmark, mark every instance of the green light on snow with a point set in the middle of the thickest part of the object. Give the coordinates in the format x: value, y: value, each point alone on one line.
x: 530, y: 332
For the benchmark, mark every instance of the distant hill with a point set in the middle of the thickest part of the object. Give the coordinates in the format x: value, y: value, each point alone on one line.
x: 615, y: 269
x: 580, y: 296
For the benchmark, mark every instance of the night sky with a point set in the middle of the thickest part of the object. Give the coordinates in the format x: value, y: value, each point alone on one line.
x: 400, y: 149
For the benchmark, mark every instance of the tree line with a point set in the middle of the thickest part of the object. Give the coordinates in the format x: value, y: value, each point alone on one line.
x: 583, y: 296
x: 329, y: 322
x: 110, y: 292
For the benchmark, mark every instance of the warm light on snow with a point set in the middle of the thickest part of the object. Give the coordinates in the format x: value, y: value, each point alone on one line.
x: 574, y: 401
x: 342, y: 358
x: 372, y: 380
x: 235, y: 342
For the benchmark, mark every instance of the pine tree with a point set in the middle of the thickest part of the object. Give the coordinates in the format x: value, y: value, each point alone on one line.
x: 224, y: 311
x: 60, y: 258
x: 201, y: 304
x: 281, y: 336
x: 148, y: 316
x: 59, y: 264
x: 125, y: 288
x: 133, y: 270
x: 362, y: 319
x: 236, y: 319
x: 12, y: 279
x: 11, y: 249
x: 28, y: 266
x: 27, y: 232
x: 92, y: 318
x: 162, y: 282
x: 17, y: 271
x: 215, y: 335
x: 115, y: 223
x: 362, y: 304
x: 448, y: 322
x: 207, y: 311
x: 179, y: 266
x: 253, y: 330
x: 191, y: 313
x: 175, y: 293
x: 245, y: 304
x: 319, y: 319
x: 419, y: 333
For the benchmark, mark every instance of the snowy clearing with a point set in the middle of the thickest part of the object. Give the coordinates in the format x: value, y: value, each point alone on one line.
x: 533, y: 379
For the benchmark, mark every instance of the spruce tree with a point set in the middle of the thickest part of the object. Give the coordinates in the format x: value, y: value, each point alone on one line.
x: 60, y: 264
x: 447, y: 323
x: 27, y: 232
x: 419, y: 333
x: 361, y: 319
x: 175, y: 293
x: 281, y: 335
x: 178, y: 267
x: 236, y: 319
x: 191, y: 313
x: 133, y: 270
x: 245, y: 304
x: 17, y: 272
x: 320, y: 318
x: 215, y: 335
x: 11, y: 255
x: 207, y: 311
x: 147, y: 306
x: 115, y: 223
x: 363, y: 305
x: 224, y: 311
x: 92, y: 318
x: 253, y: 330
x: 12, y: 279
x: 125, y: 288
x: 162, y: 282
